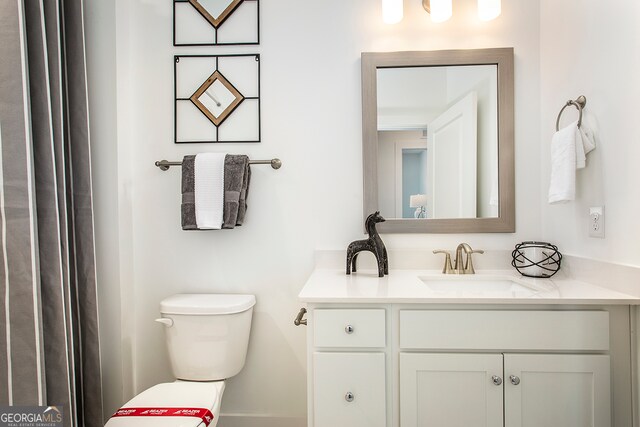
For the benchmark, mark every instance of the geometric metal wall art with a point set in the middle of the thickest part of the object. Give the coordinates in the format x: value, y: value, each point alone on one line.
x: 217, y: 98
x: 216, y: 22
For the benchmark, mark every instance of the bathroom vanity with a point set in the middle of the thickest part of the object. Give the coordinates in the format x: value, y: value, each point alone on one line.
x: 418, y: 348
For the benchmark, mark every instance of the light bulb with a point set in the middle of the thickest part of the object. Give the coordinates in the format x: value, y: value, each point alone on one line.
x: 489, y: 9
x: 391, y: 11
x: 440, y: 10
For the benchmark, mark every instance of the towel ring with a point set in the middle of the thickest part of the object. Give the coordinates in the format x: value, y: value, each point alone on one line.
x: 579, y: 103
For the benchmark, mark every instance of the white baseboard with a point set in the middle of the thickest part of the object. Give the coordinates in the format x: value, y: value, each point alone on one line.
x: 260, y: 420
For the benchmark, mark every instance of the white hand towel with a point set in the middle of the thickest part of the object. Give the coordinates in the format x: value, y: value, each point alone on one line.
x: 585, y: 143
x: 588, y: 138
x: 581, y: 157
x: 209, y: 190
x: 562, y: 187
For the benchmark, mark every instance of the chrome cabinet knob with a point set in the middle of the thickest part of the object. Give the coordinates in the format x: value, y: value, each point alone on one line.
x: 349, y: 397
x: 348, y: 329
x: 514, y: 380
x: 496, y: 380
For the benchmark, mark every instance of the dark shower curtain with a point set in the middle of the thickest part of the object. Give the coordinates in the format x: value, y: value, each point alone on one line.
x: 49, y: 348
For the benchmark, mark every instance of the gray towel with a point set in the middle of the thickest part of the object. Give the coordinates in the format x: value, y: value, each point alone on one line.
x: 242, y: 208
x: 188, y: 194
x: 237, y: 176
x: 236, y: 183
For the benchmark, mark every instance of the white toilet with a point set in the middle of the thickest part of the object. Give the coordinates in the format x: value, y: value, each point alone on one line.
x: 207, y: 337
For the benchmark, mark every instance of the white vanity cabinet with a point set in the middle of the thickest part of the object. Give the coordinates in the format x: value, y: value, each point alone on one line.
x: 398, y: 365
x: 460, y: 390
x: 550, y: 387
x: 349, y: 367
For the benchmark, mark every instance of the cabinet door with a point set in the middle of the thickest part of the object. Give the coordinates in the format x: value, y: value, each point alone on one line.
x: 557, y: 390
x: 349, y: 390
x: 451, y: 390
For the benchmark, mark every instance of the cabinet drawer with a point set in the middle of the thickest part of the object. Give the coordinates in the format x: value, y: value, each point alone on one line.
x: 504, y: 330
x: 349, y: 390
x: 349, y: 328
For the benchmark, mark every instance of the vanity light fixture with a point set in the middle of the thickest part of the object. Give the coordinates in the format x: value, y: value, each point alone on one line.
x: 489, y: 9
x: 440, y: 10
x: 392, y: 11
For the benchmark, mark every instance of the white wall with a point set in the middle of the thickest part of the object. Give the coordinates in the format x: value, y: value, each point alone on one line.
x: 311, y: 116
x: 591, y: 48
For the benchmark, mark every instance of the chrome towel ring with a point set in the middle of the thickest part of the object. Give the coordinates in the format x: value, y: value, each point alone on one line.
x: 579, y: 103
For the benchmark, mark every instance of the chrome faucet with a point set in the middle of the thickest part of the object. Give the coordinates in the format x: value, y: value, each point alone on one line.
x: 459, y: 267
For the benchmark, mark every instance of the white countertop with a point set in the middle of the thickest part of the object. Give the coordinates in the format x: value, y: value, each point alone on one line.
x: 406, y: 286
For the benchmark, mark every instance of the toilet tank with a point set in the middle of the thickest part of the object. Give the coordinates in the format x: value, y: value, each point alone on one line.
x: 207, y: 334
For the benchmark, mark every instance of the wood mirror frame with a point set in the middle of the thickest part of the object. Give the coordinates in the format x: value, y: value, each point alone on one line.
x: 503, y: 59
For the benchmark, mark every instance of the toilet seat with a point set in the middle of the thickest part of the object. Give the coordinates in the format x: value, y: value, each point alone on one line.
x: 177, y: 395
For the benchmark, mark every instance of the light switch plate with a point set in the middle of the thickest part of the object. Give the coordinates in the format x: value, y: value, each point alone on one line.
x: 596, y: 222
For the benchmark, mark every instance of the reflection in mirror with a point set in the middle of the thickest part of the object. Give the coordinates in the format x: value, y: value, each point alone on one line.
x: 438, y: 141
x: 215, y: 11
x: 217, y: 98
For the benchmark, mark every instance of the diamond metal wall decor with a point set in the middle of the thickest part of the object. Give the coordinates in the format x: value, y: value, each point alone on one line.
x: 216, y: 22
x: 216, y: 12
x: 217, y: 98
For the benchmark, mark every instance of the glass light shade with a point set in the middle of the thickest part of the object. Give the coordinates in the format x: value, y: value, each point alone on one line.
x: 417, y: 200
x: 489, y: 9
x: 441, y: 10
x: 392, y: 11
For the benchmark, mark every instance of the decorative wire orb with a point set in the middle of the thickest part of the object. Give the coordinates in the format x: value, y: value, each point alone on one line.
x: 536, y: 259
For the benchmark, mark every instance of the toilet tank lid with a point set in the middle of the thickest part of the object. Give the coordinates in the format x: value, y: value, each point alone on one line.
x: 202, y: 304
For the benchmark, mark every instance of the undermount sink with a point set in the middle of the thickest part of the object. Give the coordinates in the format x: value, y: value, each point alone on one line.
x: 476, y: 285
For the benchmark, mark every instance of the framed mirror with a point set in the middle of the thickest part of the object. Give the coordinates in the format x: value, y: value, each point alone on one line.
x: 438, y: 140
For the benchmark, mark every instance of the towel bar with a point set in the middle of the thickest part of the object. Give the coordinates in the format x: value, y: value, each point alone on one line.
x: 275, y: 163
x: 579, y: 103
